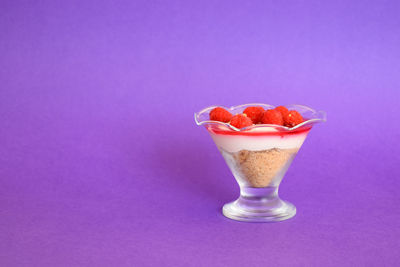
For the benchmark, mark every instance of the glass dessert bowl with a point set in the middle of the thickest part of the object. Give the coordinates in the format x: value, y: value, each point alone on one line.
x: 258, y: 157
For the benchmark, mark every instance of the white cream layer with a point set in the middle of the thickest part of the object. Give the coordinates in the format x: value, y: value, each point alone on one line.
x: 235, y: 143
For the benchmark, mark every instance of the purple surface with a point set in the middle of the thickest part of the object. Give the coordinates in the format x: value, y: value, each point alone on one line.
x: 101, y: 163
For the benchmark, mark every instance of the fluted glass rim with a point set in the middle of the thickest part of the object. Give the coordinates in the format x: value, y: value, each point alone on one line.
x: 312, y: 117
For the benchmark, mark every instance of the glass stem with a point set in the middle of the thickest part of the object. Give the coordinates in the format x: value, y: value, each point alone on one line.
x: 255, y: 198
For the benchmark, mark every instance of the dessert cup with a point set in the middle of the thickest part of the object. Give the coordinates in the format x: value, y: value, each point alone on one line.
x: 258, y: 157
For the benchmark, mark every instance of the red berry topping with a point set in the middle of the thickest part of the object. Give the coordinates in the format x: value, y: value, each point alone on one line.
x: 254, y: 113
x: 283, y: 110
x: 220, y: 114
x: 272, y: 116
x: 292, y: 118
x: 241, y: 121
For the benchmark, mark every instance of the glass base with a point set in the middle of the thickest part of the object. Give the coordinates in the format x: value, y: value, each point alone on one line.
x: 259, y: 205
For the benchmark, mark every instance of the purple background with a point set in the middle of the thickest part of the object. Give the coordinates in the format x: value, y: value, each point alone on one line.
x: 101, y: 163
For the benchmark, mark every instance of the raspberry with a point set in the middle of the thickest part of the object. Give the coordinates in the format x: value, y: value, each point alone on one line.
x: 292, y: 118
x: 241, y: 121
x: 220, y: 114
x: 254, y: 113
x: 272, y: 116
x: 283, y: 110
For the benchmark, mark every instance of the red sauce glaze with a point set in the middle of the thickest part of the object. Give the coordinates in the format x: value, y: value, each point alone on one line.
x: 216, y: 130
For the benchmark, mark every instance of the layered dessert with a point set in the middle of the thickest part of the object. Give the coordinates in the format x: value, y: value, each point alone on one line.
x: 260, y: 156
